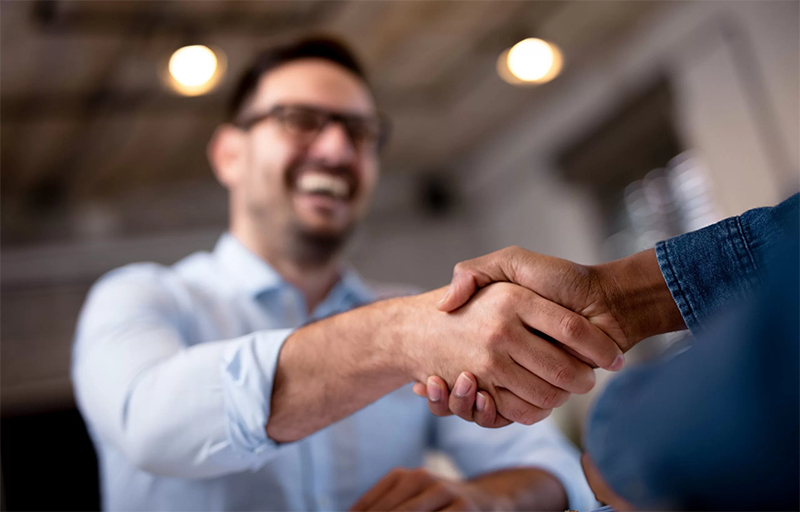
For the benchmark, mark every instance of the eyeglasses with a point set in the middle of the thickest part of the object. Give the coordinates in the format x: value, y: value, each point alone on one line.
x: 304, y: 123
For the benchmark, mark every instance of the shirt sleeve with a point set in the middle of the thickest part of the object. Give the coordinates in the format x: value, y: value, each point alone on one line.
x: 716, y: 266
x: 477, y: 450
x: 714, y: 427
x: 173, y: 409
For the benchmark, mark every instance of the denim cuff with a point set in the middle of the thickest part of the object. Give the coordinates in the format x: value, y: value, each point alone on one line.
x: 708, y: 269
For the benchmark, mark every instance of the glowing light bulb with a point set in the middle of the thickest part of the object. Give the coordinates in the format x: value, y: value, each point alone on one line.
x: 194, y: 70
x: 530, y: 61
x: 193, y: 66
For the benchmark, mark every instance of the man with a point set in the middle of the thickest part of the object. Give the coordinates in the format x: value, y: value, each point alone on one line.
x: 202, y: 390
x: 714, y: 426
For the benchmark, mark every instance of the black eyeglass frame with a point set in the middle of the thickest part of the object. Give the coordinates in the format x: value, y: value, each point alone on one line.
x: 383, y: 123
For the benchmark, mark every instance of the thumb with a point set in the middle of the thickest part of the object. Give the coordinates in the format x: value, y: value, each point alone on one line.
x: 472, y: 274
x: 462, y: 287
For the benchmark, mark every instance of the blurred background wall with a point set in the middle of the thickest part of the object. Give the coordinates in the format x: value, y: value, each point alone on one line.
x: 666, y: 116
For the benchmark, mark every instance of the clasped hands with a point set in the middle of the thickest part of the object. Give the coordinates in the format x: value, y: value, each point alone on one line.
x: 548, y: 323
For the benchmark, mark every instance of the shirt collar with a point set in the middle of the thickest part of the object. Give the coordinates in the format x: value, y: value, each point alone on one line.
x: 255, y: 276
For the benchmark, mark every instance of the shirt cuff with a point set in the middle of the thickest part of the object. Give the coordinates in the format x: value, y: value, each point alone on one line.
x: 248, y: 372
x: 706, y: 270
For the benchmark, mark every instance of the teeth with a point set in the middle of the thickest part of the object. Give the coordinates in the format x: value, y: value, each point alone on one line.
x: 318, y: 183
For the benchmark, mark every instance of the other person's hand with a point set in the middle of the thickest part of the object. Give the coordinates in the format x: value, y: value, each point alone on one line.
x: 627, y: 299
x: 421, y: 490
x: 491, y: 337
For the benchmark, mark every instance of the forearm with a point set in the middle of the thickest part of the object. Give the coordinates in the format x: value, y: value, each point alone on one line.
x: 332, y: 368
x: 523, y: 489
x: 638, y: 295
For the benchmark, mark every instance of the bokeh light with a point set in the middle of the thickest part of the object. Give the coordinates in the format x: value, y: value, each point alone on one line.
x: 530, y: 61
x: 195, y: 70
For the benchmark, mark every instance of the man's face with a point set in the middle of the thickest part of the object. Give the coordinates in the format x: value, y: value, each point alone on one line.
x: 319, y: 185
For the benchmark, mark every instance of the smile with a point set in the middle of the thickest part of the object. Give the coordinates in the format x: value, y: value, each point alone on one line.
x: 323, y: 184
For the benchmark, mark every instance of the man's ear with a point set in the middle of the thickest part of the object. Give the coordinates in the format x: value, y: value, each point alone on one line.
x: 225, y: 153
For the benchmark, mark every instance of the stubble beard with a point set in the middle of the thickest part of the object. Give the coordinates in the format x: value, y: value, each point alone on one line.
x: 313, y: 249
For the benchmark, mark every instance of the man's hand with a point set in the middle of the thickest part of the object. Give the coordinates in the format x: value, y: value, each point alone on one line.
x: 466, y: 401
x: 506, y: 489
x: 421, y: 490
x: 491, y: 337
x: 626, y: 299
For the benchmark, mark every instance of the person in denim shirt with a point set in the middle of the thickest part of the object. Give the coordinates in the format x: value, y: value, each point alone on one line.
x: 715, y: 426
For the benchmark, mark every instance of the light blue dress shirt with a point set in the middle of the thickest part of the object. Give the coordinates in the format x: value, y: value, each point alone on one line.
x: 173, y: 370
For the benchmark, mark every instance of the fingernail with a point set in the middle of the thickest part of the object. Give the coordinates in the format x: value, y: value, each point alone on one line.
x: 480, y: 401
x: 618, y: 363
x: 462, y: 387
x: 446, y: 295
x: 434, y: 391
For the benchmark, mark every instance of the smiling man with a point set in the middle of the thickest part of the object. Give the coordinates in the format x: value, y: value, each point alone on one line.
x: 251, y: 378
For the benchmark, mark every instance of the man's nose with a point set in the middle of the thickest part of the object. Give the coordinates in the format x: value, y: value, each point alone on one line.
x: 333, y: 145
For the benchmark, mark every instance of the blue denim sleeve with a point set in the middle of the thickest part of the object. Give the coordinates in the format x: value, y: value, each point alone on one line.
x: 708, y: 269
x: 717, y: 426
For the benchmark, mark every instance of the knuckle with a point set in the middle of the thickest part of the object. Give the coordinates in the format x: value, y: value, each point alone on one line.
x: 530, y: 416
x: 553, y: 398
x: 517, y: 414
x: 565, y: 375
x: 499, y: 334
x: 461, y: 267
x: 572, y: 327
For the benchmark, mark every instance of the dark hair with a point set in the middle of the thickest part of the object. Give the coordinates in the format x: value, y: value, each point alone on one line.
x: 317, y: 47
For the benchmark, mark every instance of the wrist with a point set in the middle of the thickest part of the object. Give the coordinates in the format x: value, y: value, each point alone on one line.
x: 408, y: 330
x: 638, y: 297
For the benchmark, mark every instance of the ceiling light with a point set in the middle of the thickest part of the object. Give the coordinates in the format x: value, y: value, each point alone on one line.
x: 530, y: 61
x: 195, y: 70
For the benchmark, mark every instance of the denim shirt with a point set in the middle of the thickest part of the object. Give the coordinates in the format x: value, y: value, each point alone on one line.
x: 722, y: 264
x: 715, y: 426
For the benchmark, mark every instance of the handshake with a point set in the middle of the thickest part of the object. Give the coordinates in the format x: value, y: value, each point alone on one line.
x: 517, y: 332
x: 514, y: 335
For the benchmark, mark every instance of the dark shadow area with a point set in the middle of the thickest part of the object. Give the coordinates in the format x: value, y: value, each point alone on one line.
x: 48, y: 462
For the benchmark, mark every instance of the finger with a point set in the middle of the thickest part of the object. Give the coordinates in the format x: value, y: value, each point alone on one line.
x: 485, y: 413
x: 433, y: 498
x: 532, y: 389
x: 470, y: 275
x: 369, y: 498
x: 438, y: 396
x: 515, y: 409
x: 420, y: 389
x: 570, y: 329
x: 553, y: 364
x: 462, y: 399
